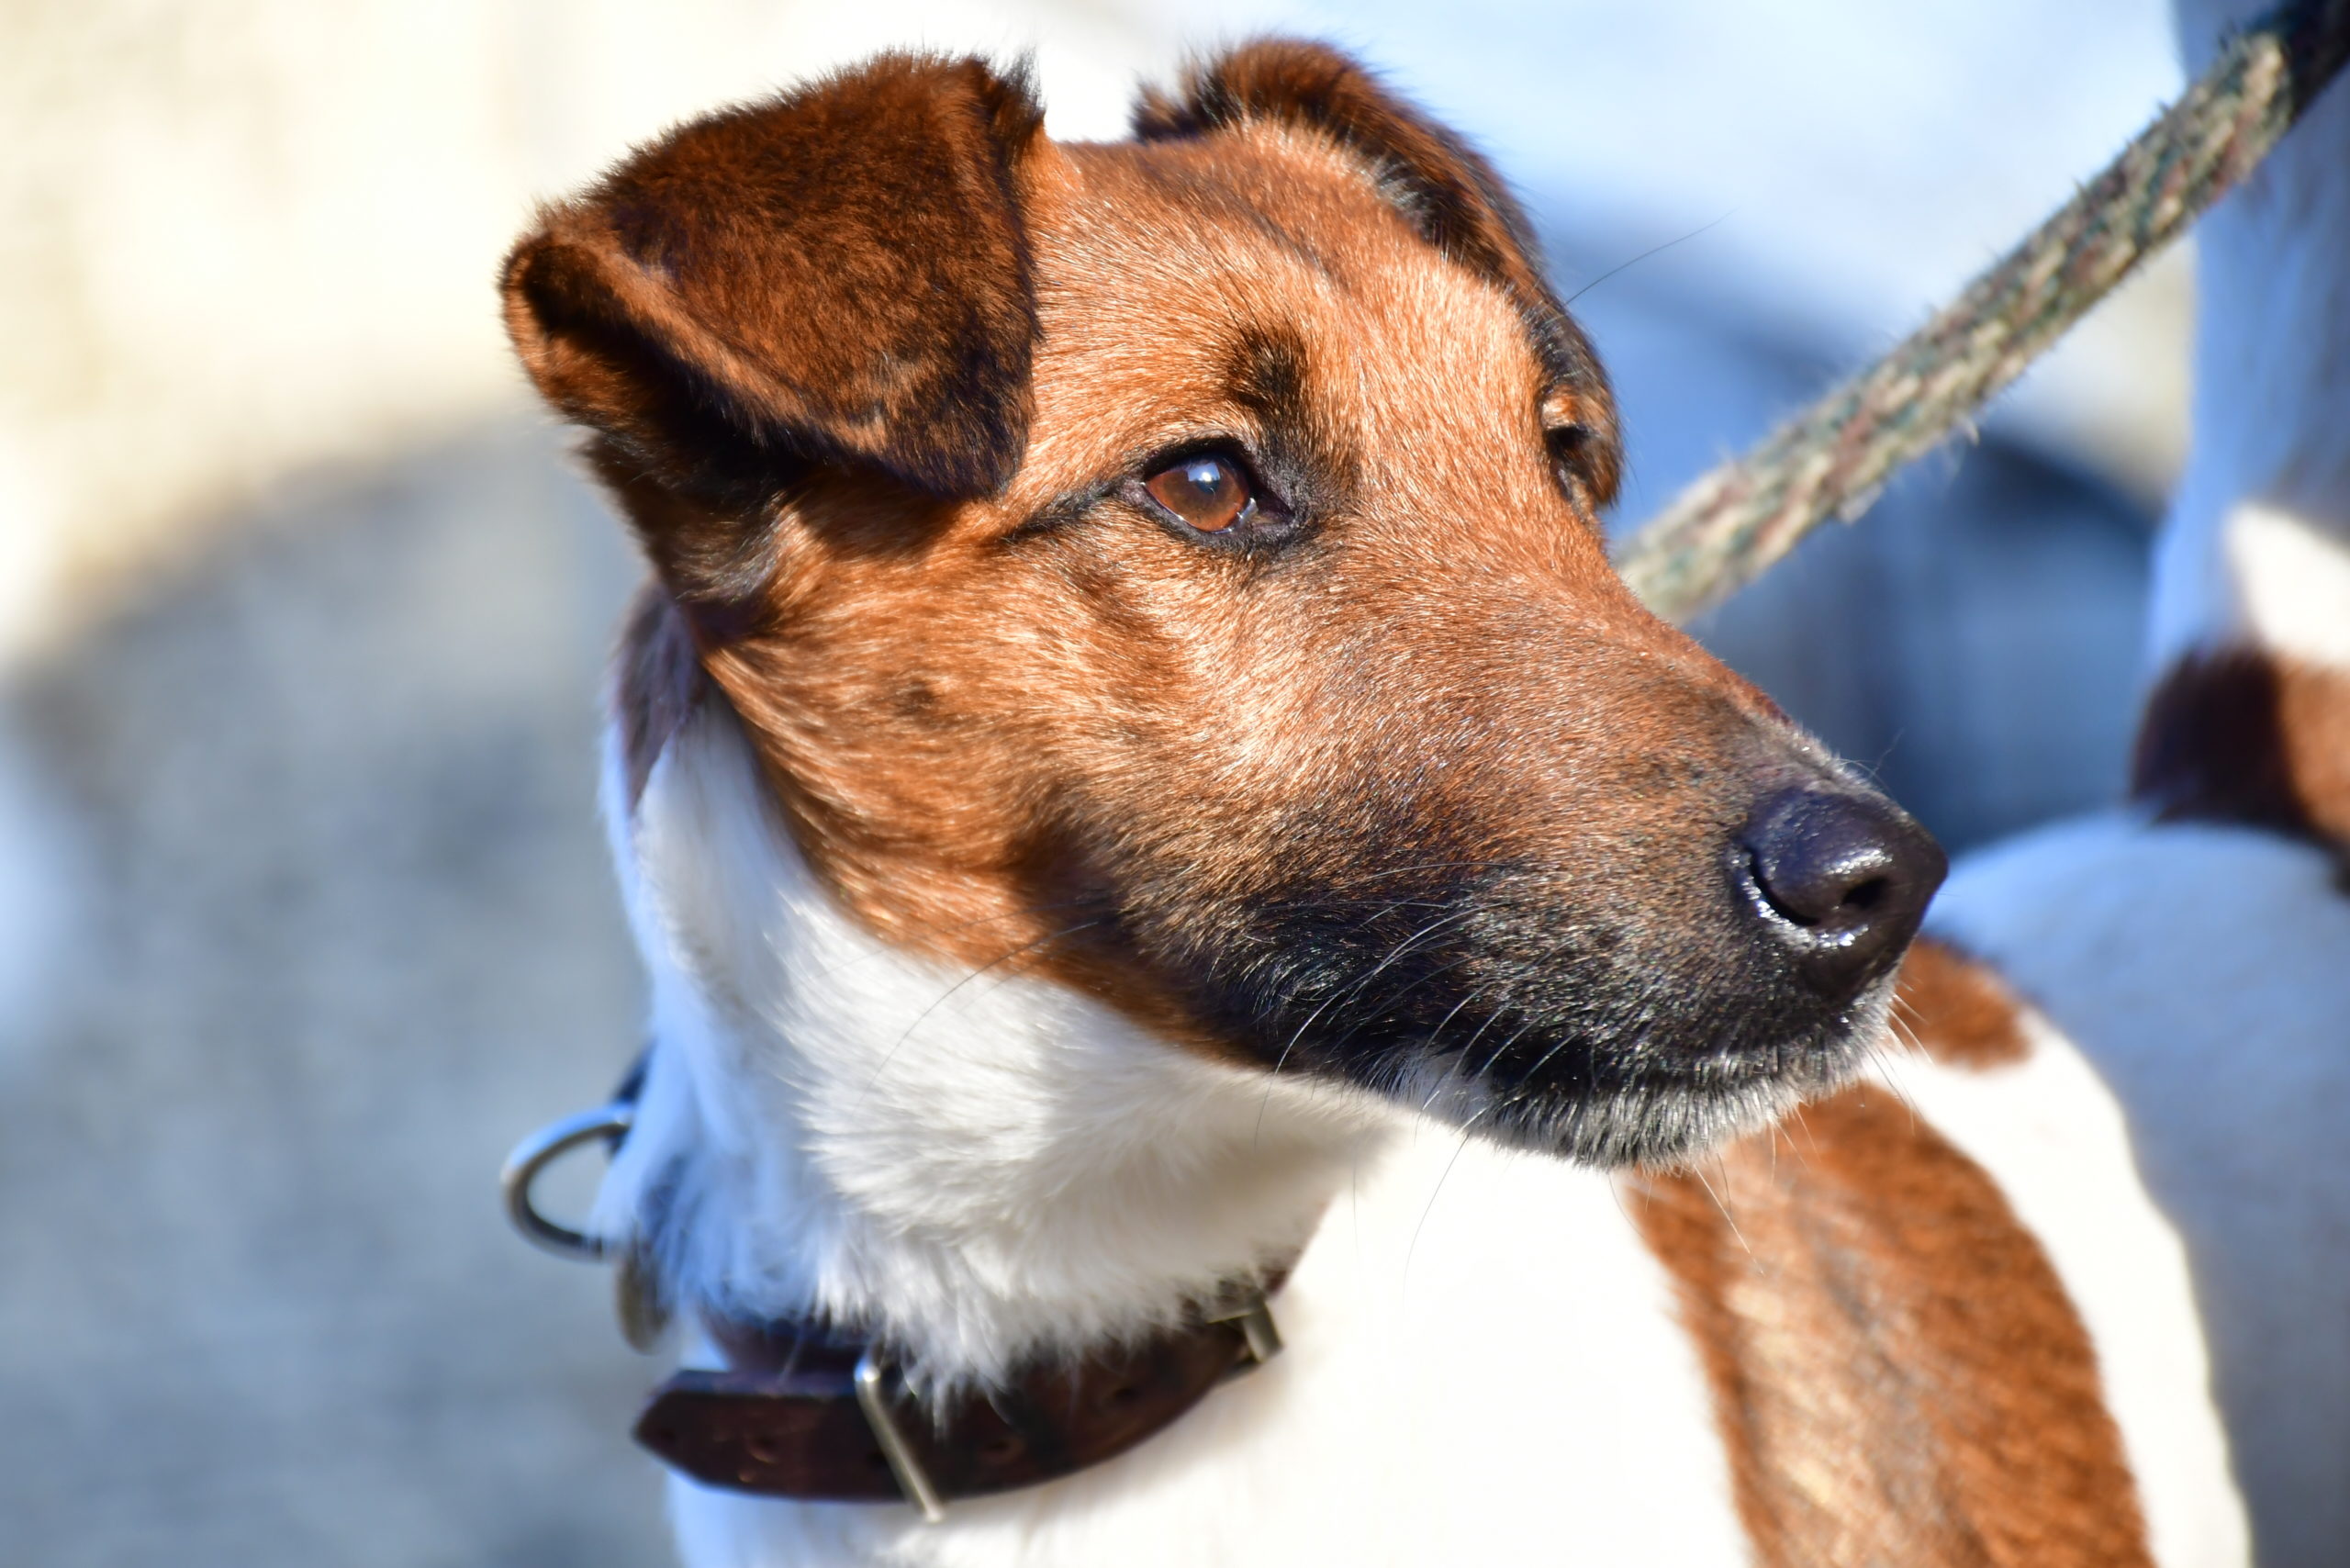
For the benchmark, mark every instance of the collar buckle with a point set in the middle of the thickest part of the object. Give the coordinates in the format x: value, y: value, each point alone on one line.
x: 873, y: 1399
x: 1246, y: 1307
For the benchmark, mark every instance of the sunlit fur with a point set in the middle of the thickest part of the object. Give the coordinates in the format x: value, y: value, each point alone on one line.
x: 1415, y: 792
x: 832, y: 1124
x: 991, y: 1170
x: 985, y: 1169
x: 2051, y: 1132
x: 1053, y: 916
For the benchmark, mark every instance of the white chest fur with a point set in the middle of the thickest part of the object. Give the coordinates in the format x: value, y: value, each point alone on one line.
x: 1486, y: 1363
x: 1483, y: 1360
x: 1503, y: 1384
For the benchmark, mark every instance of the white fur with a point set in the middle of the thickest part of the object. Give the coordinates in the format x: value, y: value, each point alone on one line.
x: 984, y: 1166
x: 1483, y: 1362
x: 2204, y: 971
x: 1504, y: 1386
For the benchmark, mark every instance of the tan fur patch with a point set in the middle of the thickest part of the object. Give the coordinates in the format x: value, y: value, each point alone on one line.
x: 955, y: 711
x: 1898, y: 1373
x: 1405, y: 746
x: 1956, y: 1009
x: 2247, y: 735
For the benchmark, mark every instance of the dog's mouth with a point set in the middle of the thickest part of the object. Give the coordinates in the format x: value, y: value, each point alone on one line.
x: 1601, y: 1037
x: 1637, y: 1101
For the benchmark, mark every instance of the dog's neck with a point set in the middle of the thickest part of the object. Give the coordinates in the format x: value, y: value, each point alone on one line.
x: 980, y: 1170
x: 2257, y: 551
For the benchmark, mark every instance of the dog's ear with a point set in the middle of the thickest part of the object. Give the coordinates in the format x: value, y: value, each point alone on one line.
x: 837, y: 277
x: 1449, y: 193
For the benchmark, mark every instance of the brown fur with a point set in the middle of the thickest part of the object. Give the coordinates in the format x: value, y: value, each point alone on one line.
x: 1449, y: 192
x: 837, y: 276
x: 1154, y: 660
x: 1956, y: 1010
x: 1898, y: 1373
x: 2247, y: 735
x: 884, y: 415
x: 1250, y: 269
x: 880, y: 374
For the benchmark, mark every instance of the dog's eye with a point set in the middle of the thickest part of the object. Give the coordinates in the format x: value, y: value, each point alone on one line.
x: 1208, y: 490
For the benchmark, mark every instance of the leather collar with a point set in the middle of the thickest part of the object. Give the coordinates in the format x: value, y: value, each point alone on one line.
x: 800, y: 1413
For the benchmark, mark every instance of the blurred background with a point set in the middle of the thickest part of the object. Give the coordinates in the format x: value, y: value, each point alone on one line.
x: 303, y: 917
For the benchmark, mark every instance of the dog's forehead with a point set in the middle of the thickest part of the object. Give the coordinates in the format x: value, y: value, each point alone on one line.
x: 1163, y: 268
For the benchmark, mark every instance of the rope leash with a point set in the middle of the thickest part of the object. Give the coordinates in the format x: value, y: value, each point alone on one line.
x: 1831, y: 460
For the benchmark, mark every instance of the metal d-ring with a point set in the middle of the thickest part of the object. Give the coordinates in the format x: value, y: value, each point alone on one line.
x: 543, y: 1148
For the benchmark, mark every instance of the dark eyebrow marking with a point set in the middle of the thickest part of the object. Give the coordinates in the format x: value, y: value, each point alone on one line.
x: 1266, y: 373
x: 1309, y: 463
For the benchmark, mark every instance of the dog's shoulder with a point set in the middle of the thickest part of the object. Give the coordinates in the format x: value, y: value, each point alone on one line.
x: 1942, y: 1319
x: 2197, y: 970
x: 1898, y: 1371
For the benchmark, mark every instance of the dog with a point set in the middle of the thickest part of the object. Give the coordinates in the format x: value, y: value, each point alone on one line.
x: 1157, y: 836
x: 2197, y: 946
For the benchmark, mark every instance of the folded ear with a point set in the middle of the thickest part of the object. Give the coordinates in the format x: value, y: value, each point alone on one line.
x: 1448, y: 191
x: 835, y: 277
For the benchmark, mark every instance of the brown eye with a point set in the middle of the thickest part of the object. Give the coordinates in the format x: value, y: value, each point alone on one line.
x: 1207, y: 491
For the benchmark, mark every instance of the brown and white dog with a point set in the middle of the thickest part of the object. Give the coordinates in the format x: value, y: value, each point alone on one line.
x: 1136, y: 783
x: 2196, y: 948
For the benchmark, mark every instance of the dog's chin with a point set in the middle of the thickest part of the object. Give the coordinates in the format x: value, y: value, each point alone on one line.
x: 1646, y: 1107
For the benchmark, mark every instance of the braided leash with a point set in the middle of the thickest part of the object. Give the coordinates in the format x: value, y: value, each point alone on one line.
x: 1831, y: 460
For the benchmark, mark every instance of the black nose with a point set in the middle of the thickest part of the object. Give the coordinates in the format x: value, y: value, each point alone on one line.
x: 1843, y: 879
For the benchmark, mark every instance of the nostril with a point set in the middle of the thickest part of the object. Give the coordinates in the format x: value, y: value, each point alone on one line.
x: 1868, y: 895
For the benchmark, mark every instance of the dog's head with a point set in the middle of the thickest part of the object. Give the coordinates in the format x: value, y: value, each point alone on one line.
x: 1173, y: 567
